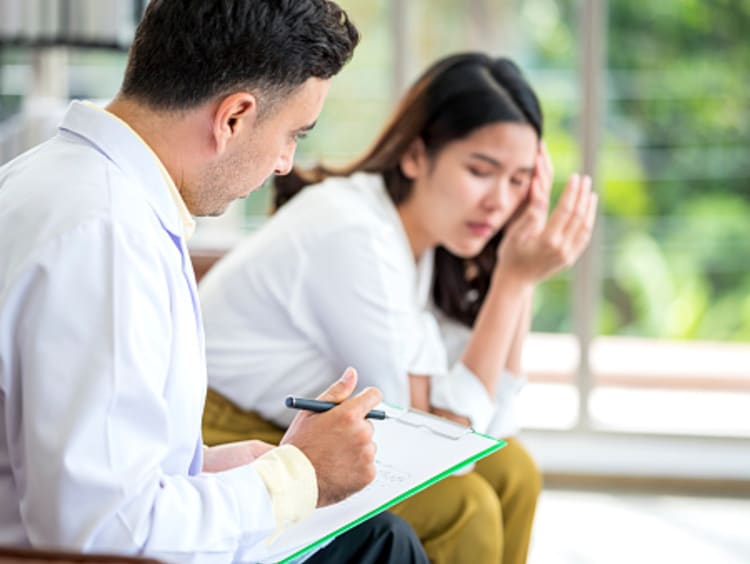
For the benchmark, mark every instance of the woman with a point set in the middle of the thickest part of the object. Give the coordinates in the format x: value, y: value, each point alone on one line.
x: 416, y: 264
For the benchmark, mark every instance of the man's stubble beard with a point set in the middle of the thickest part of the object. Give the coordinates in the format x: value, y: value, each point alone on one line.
x: 215, y: 191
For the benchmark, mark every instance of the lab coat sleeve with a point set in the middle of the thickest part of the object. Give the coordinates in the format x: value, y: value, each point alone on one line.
x: 92, y: 426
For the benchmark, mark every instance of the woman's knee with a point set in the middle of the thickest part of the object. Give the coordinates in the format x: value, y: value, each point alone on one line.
x: 512, y: 472
x: 479, y: 526
x: 458, y: 509
x: 524, y: 470
x: 483, y: 498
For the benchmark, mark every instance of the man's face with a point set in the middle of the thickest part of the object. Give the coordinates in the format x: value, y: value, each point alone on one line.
x: 259, y: 151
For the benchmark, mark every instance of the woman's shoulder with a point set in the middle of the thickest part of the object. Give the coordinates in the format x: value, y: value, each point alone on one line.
x: 358, y: 202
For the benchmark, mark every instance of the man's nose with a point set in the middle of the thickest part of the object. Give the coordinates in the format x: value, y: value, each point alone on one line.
x: 285, y: 162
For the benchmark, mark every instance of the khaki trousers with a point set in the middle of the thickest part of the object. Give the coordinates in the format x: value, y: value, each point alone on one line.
x: 483, y: 516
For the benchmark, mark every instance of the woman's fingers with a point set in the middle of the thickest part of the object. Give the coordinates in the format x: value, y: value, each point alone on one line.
x: 582, y: 236
x: 539, y: 197
x: 539, y: 191
x: 534, y: 215
x: 591, y: 213
x: 543, y: 170
x: 571, y: 223
x: 577, y: 232
x: 546, y: 167
x: 564, y: 210
x: 577, y: 217
x: 543, y: 246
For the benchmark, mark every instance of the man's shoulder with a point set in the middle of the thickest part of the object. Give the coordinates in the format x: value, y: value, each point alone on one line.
x: 54, y: 190
x: 67, y: 175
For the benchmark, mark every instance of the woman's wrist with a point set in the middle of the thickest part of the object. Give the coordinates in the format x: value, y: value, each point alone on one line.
x: 512, y: 281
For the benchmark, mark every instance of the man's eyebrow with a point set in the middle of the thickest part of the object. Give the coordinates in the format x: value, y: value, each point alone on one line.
x: 497, y: 164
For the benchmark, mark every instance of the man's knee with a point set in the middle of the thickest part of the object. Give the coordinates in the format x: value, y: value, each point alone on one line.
x: 400, y: 540
x: 383, y: 539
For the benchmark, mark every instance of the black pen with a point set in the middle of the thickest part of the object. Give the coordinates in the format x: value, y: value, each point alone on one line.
x: 320, y: 406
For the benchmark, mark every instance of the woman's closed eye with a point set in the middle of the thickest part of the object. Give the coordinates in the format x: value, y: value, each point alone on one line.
x: 479, y: 171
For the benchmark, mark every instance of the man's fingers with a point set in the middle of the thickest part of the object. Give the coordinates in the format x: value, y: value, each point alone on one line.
x: 355, y: 408
x: 341, y: 388
x: 363, y: 402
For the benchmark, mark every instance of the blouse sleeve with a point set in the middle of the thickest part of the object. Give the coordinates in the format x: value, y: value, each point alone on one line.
x: 460, y: 390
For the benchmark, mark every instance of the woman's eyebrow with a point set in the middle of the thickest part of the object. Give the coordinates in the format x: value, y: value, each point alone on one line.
x: 497, y: 164
x: 488, y: 159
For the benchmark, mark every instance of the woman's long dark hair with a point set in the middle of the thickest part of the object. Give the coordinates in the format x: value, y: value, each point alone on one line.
x: 455, y: 96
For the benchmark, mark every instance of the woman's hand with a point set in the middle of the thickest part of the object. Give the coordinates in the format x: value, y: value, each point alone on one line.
x: 535, y: 248
x: 444, y: 413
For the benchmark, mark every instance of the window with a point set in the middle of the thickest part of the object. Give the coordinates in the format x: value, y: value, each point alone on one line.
x: 649, y: 333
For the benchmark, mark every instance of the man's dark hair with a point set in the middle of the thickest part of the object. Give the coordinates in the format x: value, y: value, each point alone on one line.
x: 186, y: 52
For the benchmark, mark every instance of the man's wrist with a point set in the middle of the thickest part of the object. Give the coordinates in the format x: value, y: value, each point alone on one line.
x: 291, y: 483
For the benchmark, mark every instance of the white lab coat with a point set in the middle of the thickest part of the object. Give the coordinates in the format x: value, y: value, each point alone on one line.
x: 102, y: 373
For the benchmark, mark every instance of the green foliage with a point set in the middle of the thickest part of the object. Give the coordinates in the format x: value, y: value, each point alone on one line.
x: 685, y: 276
x: 676, y: 170
x: 623, y: 184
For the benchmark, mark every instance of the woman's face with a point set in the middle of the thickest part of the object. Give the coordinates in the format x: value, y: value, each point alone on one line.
x: 464, y: 194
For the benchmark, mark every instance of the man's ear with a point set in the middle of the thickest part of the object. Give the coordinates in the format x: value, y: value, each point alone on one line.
x: 233, y: 114
x: 414, y: 159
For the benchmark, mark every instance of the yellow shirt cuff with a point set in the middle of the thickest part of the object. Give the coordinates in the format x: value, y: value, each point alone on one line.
x: 291, y: 482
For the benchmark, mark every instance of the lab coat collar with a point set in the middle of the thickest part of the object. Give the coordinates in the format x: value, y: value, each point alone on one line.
x: 121, y: 146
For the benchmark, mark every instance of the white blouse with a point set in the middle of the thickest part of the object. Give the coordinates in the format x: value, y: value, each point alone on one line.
x: 329, y: 282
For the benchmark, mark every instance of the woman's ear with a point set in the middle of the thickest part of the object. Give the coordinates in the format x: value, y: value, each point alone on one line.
x: 233, y: 114
x: 414, y: 160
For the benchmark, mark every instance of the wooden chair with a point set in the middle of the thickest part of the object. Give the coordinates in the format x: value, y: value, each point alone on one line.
x: 37, y: 555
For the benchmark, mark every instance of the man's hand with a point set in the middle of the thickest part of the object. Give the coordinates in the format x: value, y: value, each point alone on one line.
x: 226, y: 457
x: 339, y: 441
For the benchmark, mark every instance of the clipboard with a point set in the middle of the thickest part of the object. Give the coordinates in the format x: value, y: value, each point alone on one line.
x: 414, y: 450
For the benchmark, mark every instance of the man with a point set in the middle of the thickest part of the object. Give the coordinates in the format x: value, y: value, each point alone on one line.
x: 102, y: 369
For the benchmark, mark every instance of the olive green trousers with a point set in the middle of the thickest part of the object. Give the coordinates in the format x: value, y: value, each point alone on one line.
x: 484, y: 516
